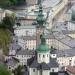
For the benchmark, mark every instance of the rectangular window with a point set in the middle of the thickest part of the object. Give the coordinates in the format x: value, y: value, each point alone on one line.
x: 52, y: 70
x: 33, y: 70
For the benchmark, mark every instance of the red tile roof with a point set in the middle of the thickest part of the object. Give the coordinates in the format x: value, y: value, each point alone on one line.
x: 71, y: 69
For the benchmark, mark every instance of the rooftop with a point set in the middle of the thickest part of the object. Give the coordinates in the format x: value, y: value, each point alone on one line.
x: 26, y: 27
x: 50, y: 3
x: 71, y: 70
x: 65, y: 39
x: 65, y: 53
x: 47, y: 36
x: 12, y: 61
x: 44, y: 66
x: 25, y: 52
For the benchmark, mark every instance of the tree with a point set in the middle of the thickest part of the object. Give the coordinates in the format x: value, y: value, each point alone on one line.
x: 4, y: 3
x: 9, y: 3
x: 13, y: 2
x: 5, y: 40
x: 21, y: 1
x: 18, y: 71
x: 8, y: 23
x: 3, y: 70
x: 6, y: 31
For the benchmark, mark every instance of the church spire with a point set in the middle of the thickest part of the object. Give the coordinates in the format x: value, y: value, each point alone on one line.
x: 40, y: 18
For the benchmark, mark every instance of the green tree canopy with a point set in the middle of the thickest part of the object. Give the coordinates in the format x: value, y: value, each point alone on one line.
x: 8, y: 23
x: 4, y: 3
x: 5, y: 39
x: 6, y: 30
x: 3, y: 70
x: 18, y: 70
x: 7, y: 3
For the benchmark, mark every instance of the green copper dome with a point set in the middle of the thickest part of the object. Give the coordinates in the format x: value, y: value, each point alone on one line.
x: 43, y: 47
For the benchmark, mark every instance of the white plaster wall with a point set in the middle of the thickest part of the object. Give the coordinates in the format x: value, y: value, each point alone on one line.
x: 23, y: 58
x: 72, y: 35
x: 55, y: 69
x: 65, y: 61
x: 45, y: 59
x: 46, y: 72
x: 53, y: 55
x: 31, y: 71
x: 73, y: 61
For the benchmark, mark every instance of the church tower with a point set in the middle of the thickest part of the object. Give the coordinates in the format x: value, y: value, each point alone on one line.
x: 43, y: 51
x: 41, y: 64
x: 40, y: 24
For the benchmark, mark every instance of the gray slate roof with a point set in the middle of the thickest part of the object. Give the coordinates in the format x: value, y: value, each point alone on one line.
x: 50, y: 3
x: 44, y: 66
x: 26, y: 73
x: 26, y: 27
x: 53, y: 63
x: 65, y: 39
x: 61, y: 73
x: 14, y: 46
x: 47, y: 36
x: 12, y: 62
x: 68, y: 32
x: 65, y: 53
x: 28, y: 37
x: 25, y: 52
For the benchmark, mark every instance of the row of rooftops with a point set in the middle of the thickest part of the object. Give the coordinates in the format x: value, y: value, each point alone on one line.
x: 65, y: 53
x: 60, y: 36
x: 65, y: 39
x: 60, y: 53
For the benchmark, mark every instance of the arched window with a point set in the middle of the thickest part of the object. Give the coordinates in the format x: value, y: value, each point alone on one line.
x: 39, y: 55
x: 43, y: 56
